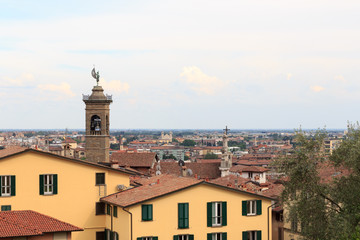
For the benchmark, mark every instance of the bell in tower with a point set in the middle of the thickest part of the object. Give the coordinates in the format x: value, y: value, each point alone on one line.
x: 97, y: 113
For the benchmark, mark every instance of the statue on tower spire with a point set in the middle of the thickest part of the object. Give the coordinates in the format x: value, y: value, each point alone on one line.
x: 95, y: 75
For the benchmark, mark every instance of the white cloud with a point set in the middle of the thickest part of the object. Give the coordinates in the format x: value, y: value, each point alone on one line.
x: 289, y: 75
x: 317, y: 88
x: 340, y: 79
x: 63, y: 89
x: 115, y: 86
x: 200, y: 82
x: 21, y: 81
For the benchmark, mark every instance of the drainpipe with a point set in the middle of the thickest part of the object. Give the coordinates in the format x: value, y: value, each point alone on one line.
x: 131, y: 223
x: 111, y: 215
x: 268, y: 221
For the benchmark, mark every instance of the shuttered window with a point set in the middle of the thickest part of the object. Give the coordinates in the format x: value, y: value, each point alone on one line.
x: 7, y: 186
x: 251, y: 207
x: 251, y: 235
x: 184, y: 237
x: 48, y: 184
x: 217, y: 236
x: 115, y: 211
x: 100, y: 179
x: 216, y: 214
x: 6, y: 208
x: 183, y: 215
x: 146, y: 212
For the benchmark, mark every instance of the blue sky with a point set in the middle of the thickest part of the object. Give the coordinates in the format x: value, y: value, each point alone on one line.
x: 182, y: 64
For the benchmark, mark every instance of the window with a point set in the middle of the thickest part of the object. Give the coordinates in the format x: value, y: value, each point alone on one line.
x: 48, y: 184
x: 60, y: 236
x: 6, y: 208
x: 147, y: 238
x: 147, y: 212
x: 100, y: 208
x: 184, y: 237
x: 7, y: 184
x: 216, y: 214
x: 251, y: 208
x: 183, y: 215
x: 108, y: 209
x: 252, y: 235
x: 100, y: 178
x: 115, y: 211
x: 217, y: 236
x: 108, y: 235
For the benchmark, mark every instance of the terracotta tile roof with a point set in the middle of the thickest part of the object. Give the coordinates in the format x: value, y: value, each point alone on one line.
x: 203, y: 170
x: 242, y: 168
x: 274, y: 190
x: 133, y: 159
x: 55, y: 148
x: 30, y: 223
x: 328, y: 172
x: 230, y: 180
x: 252, y: 162
x: 23, y: 150
x: 152, y: 188
x: 9, y: 150
x: 69, y: 140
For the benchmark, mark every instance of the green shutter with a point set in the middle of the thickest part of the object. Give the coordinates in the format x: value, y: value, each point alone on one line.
x: 117, y: 236
x: 224, y: 236
x: 0, y: 186
x: 55, y: 181
x: 209, y: 236
x: 209, y: 214
x: 176, y: 237
x: 13, y: 184
x: 155, y: 238
x: 258, y: 207
x: 224, y: 214
x: 143, y: 213
x: 139, y: 238
x: 245, y: 234
x: 111, y: 235
x: 146, y: 212
x: 258, y: 235
x: 115, y: 211
x: 191, y: 237
x: 108, y: 211
x: 150, y: 213
x: 244, y: 208
x: 180, y: 215
x: 107, y: 234
x: 41, y: 184
x: 186, y: 215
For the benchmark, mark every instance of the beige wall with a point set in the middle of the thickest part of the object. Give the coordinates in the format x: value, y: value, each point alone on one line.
x: 165, y: 215
x: 77, y: 192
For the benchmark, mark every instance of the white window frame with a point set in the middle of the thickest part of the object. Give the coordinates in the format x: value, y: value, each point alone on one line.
x: 251, y: 207
x: 5, y: 185
x: 48, y: 184
x: 216, y: 210
x: 147, y: 238
x: 252, y: 235
x: 216, y: 236
x: 183, y: 237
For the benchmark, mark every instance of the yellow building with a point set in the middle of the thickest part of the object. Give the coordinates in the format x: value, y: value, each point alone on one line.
x: 64, y: 188
x: 180, y: 208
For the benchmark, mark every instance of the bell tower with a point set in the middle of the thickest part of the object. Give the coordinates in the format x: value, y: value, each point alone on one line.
x: 97, y: 115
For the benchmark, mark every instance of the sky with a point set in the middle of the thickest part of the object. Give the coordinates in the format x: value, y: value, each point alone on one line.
x: 189, y: 64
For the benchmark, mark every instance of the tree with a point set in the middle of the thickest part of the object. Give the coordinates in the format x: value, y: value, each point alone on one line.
x: 326, y: 208
x: 188, y: 143
x: 211, y: 156
x: 171, y: 156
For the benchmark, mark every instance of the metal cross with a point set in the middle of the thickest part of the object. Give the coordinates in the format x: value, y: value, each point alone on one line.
x: 226, y: 130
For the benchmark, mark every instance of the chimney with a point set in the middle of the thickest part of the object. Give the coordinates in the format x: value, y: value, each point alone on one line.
x: 158, y: 181
x: 114, y: 164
